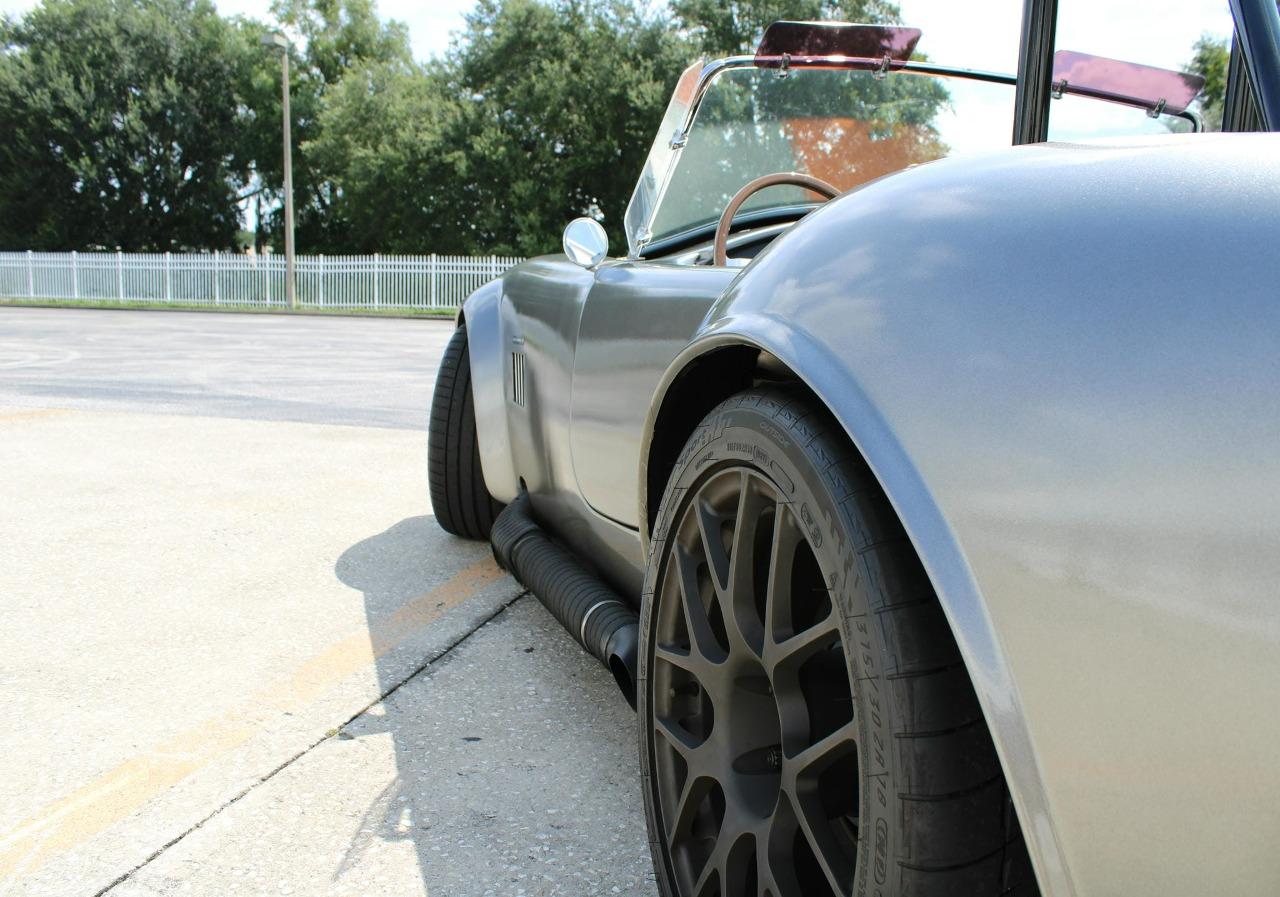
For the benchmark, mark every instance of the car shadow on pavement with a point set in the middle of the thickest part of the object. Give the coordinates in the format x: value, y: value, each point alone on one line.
x: 399, y: 564
x: 392, y: 570
x: 514, y: 755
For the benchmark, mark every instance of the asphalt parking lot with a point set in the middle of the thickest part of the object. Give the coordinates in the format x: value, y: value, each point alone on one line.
x: 239, y: 656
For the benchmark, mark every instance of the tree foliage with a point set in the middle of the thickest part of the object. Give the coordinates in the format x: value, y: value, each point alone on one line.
x: 1210, y: 59
x: 149, y: 124
x: 556, y: 105
x: 332, y: 38
x: 379, y: 140
x: 121, y: 125
x: 726, y: 27
x: 541, y: 112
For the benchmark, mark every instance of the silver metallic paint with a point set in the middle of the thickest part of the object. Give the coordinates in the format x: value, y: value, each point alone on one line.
x: 536, y: 309
x: 637, y: 319
x: 1061, y: 362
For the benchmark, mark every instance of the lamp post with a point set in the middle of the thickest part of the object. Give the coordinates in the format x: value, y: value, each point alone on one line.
x: 277, y: 41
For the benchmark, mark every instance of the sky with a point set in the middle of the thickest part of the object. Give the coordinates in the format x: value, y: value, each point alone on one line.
x: 1159, y: 34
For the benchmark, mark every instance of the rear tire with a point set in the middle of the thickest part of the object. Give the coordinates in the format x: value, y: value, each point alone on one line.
x: 461, y: 501
x: 807, y: 726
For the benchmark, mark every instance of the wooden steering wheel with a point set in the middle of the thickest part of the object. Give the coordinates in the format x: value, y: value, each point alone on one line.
x: 794, y: 178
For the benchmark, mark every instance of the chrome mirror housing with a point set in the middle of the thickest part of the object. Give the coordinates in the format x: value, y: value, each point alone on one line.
x: 585, y: 242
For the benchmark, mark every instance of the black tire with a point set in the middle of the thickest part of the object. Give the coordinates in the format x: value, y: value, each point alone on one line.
x: 461, y: 502
x: 811, y: 730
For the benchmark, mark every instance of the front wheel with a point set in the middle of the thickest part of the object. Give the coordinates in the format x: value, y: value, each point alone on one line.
x: 461, y: 502
x: 807, y: 726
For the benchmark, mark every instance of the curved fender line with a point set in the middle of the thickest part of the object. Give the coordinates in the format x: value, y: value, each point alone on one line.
x: 481, y: 315
x: 934, y: 542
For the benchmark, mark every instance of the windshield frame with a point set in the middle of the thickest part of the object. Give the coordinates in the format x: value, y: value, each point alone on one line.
x: 645, y: 201
x: 651, y: 187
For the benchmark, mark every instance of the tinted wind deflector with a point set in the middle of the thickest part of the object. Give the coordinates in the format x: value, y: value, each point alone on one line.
x: 817, y: 44
x: 1117, y: 81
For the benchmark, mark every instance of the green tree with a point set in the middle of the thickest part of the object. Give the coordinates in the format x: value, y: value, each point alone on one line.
x: 1210, y: 59
x: 120, y: 125
x: 543, y: 110
x: 380, y: 142
x: 341, y: 34
x: 555, y: 104
x: 331, y: 38
x: 726, y: 27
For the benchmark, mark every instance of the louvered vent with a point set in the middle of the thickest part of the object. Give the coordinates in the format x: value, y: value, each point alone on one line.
x: 517, y: 378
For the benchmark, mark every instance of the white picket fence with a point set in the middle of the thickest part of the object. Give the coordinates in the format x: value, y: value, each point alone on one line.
x: 231, y: 279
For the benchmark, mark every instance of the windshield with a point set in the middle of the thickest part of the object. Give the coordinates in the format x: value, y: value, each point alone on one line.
x: 847, y: 104
x: 844, y: 127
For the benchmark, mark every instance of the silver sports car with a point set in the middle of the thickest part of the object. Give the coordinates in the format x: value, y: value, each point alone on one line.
x: 920, y: 491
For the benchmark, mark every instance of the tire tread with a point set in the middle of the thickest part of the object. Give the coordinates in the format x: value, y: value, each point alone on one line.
x: 961, y: 835
x: 459, y: 498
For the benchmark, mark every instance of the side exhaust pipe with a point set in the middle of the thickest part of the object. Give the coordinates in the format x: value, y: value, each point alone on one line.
x: 598, y: 617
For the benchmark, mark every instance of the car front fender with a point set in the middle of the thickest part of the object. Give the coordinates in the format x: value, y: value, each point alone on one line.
x: 481, y: 314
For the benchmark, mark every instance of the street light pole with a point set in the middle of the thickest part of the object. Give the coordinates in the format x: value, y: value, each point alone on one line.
x: 280, y: 42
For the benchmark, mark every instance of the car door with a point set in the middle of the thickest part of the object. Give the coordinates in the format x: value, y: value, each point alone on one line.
x: 636, y: 318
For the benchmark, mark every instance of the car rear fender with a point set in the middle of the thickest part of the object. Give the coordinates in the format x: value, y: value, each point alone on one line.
x: 826, y: 375
x: 1059, y: 362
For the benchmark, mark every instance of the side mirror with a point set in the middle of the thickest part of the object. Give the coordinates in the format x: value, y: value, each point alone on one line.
x: 585, y: 242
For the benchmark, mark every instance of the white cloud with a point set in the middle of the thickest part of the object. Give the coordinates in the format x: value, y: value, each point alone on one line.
x: 430, y: 24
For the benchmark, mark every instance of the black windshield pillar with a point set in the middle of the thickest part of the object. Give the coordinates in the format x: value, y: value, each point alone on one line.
x: 1035, y: 71
x: 1239, y: 108
x: 1258, y: 32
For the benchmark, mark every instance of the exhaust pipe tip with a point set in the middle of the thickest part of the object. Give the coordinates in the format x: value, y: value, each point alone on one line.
x: 621, y: 659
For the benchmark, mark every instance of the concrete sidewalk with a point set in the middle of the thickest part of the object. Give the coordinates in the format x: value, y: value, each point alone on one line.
x: 202, y: 615
x: 463, y: 782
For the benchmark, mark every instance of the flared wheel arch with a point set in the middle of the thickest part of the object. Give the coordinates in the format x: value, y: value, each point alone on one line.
x: 731, y: 359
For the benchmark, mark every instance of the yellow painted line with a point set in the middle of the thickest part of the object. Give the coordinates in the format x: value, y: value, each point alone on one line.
x: 7, y: 416
x: 121, y: 791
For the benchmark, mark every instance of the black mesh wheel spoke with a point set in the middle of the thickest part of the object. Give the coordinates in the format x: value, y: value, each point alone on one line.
x: 794, y: 651
x: 752, y: 715
x: 815, y: 759
x: 710, y: 525
x: 782, y: 548
x: 743, y: 620
x: 682, y: 741
x: 785, y: 663
x: 702, y: 639
x: 708, y: 883
x: 686, y: 659
x: 731, y: 867
x: 680, y: 825
x: 776, y: 860
x: 820, y: 841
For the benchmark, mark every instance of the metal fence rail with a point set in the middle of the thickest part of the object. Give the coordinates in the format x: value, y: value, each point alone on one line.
x: 225, y: 279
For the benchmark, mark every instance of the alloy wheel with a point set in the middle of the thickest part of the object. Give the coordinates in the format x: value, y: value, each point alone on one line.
x: 753, y: 735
